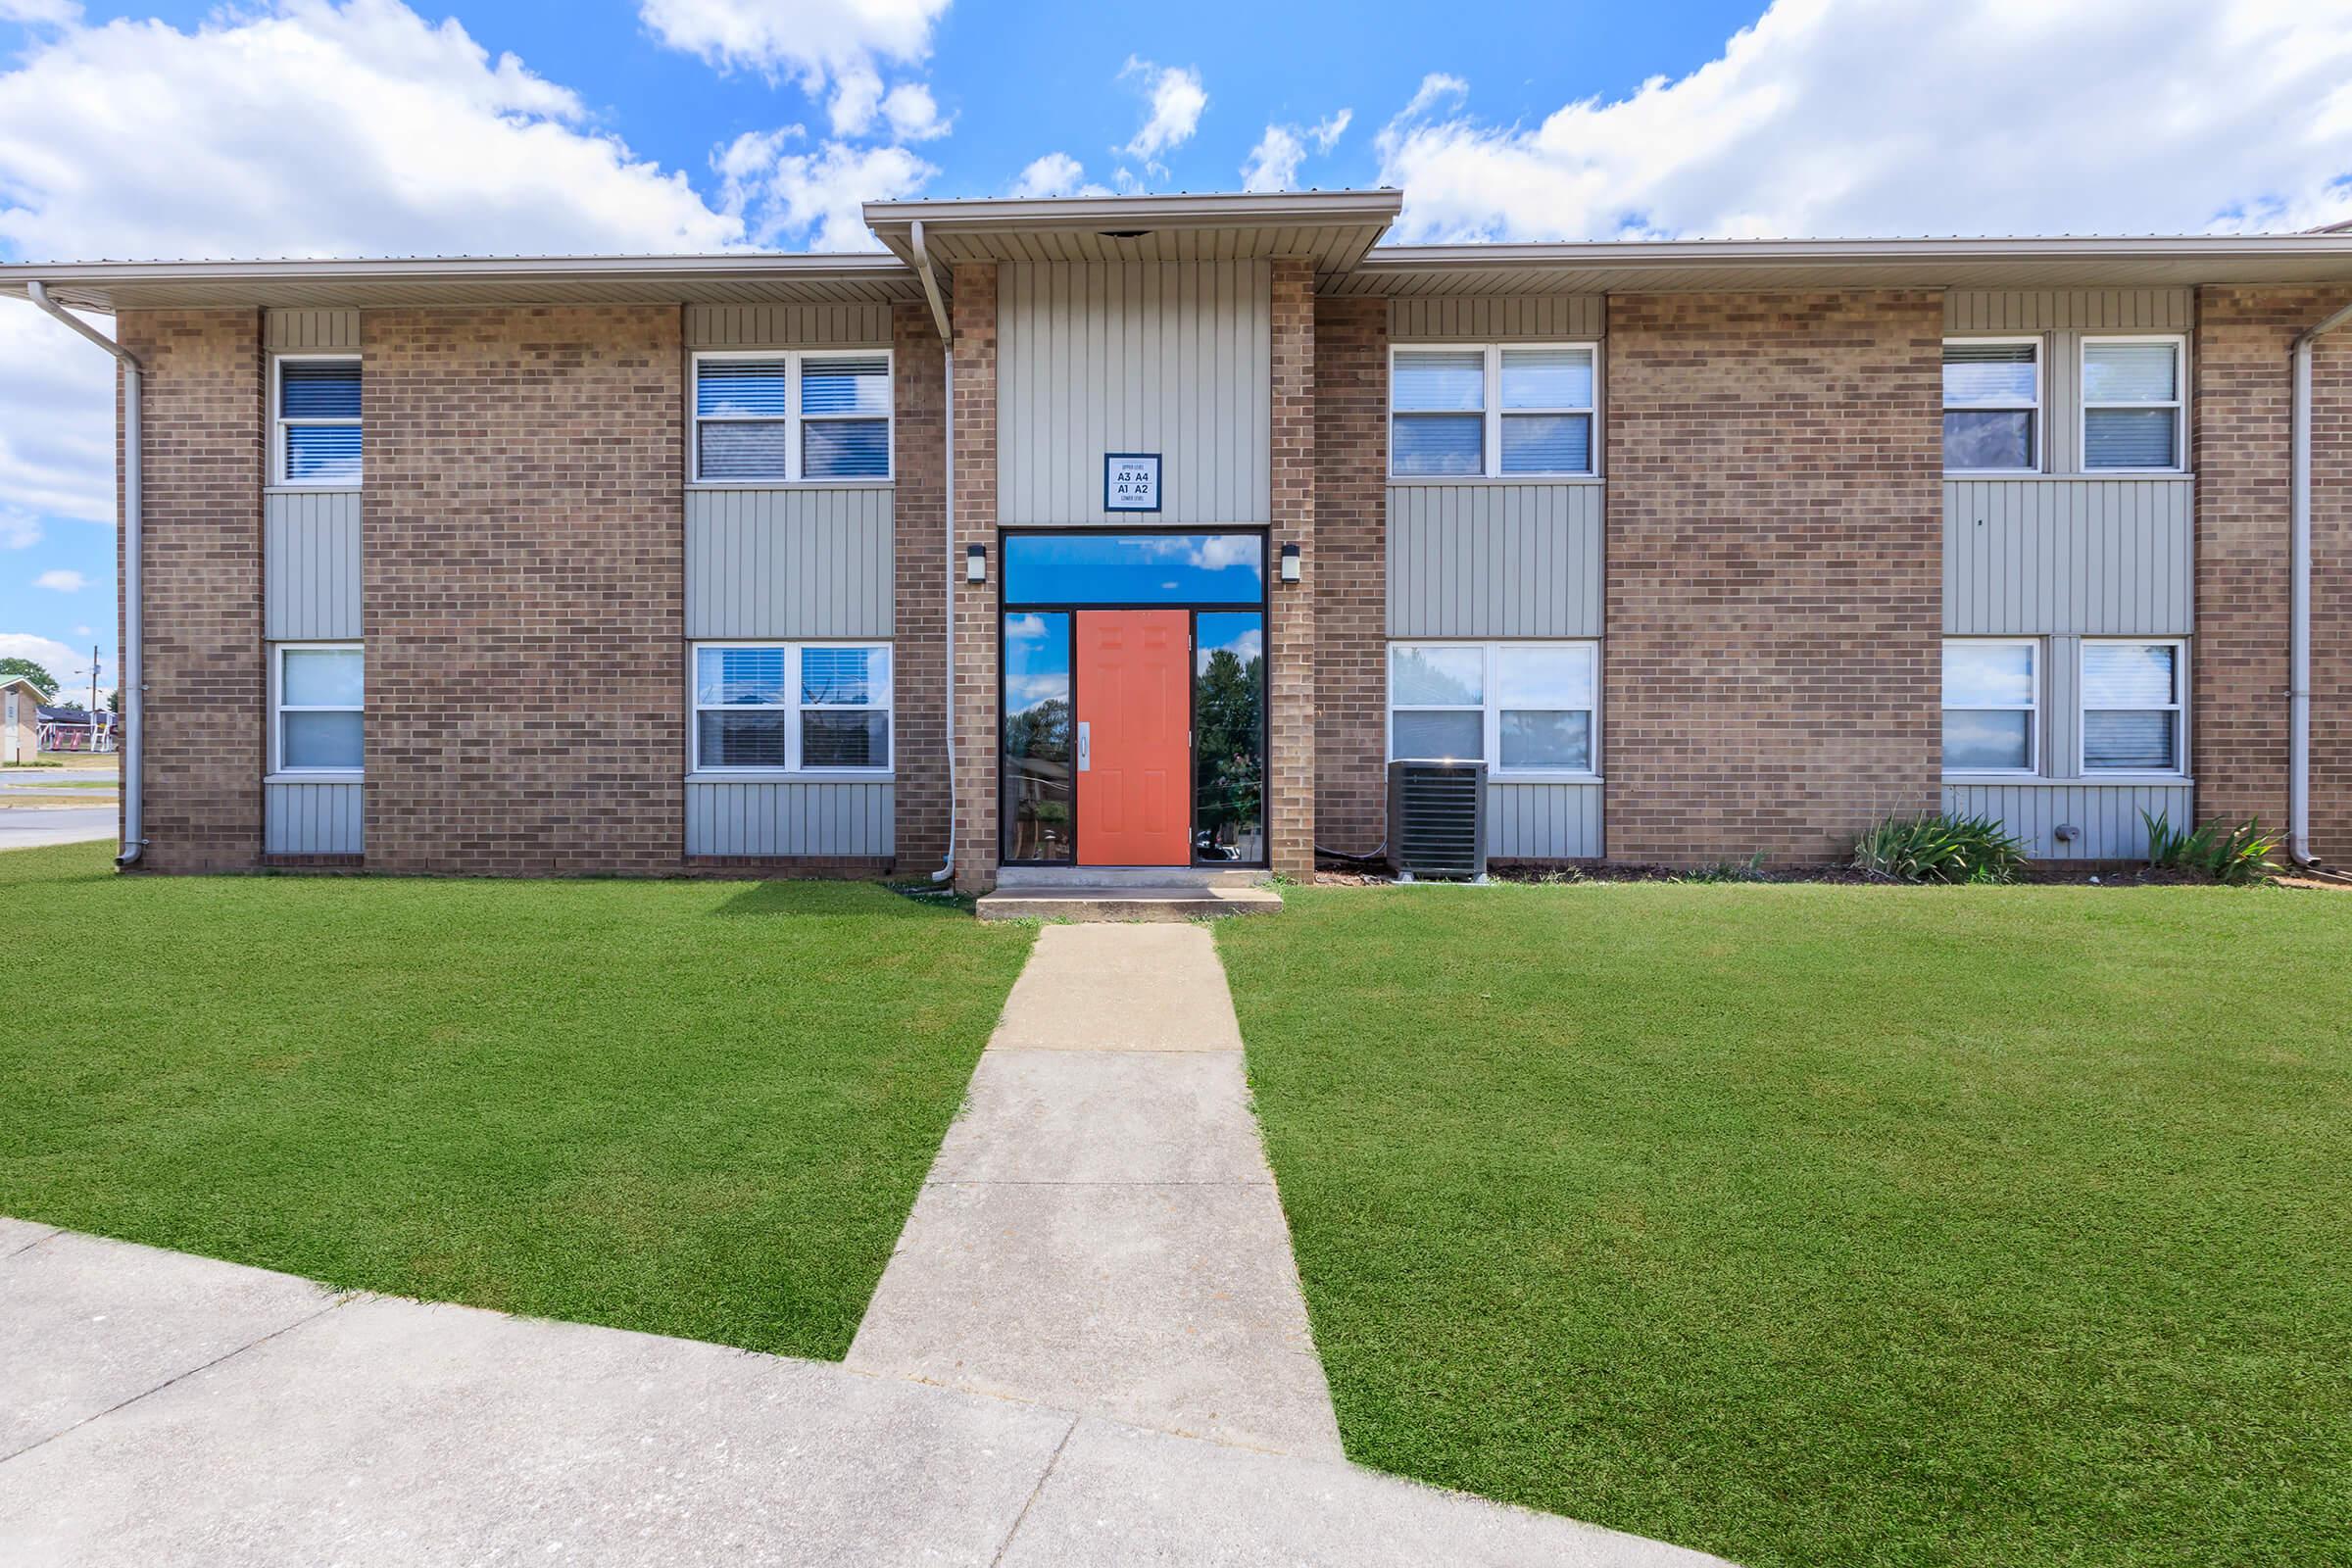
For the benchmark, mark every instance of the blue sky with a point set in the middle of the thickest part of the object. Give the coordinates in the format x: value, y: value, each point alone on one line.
x: 291, y: 128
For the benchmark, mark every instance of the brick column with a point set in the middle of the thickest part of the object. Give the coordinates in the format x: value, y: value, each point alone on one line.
x: 1290, y: 634
x: 2239, y: 680
x: 919, y: 545
x: 525, y: 584
x: 1775, y: 572
x: 206, y: 708
x: 1352, y: 572
x: 974, y: 319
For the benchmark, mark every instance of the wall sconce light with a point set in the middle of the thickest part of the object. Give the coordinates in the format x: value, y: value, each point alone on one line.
x: 1289, y: 563
x: 975, y: 564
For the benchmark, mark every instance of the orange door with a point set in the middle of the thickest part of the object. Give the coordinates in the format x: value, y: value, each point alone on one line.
x: 1135, y: 740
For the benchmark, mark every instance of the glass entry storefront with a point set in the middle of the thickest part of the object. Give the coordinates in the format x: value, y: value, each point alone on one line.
x: 1133, y: 698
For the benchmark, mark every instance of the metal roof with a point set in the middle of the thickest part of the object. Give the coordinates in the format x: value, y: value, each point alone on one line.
x: 1336, y: 230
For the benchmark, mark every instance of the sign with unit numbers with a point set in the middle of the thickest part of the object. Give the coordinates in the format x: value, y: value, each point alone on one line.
x: 1131, y: 482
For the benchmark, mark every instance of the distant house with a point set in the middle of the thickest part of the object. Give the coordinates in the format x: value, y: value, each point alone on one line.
x: 19, y: 727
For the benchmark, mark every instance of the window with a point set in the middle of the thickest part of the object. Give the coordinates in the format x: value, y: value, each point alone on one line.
x: 792, y: 707
x: 321, y: 708
x: 2134, y: 716
x: 1492, y: 410
x: 1524, y: 708
x: 1991, y: 701
x: 790, y: 417
x: 318, y: 419
x: 1991, y: 405
x: 2132, y: 403
x: 1129, y: 568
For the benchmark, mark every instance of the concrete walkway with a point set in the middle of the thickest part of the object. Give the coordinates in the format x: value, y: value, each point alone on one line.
x: 1100, y: 1232
x: 26, y: 828
x: 162, y: 1409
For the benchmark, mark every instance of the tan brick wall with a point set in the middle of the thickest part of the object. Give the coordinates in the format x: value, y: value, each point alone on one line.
x: 1352, y: 572
x: 919, y: 544
x: 2239, y: 691
x: 1774, y: 542
x: 523, y: 589
x: 974, y: 319
x: 207, y: 705
x: 1290, y: 632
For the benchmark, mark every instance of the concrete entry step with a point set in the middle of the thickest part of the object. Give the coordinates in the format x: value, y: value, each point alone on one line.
x: 1126, y: 902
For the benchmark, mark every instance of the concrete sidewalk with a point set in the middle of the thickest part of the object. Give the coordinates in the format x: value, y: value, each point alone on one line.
x: 162, y: 1409
x: 29, y: 827
x: 1101, y: 1231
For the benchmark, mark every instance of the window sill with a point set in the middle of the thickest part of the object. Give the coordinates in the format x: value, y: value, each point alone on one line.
x: 314, y: 489
x: 1489, y: 479
x: 2087, y: 781
x: 2029, y: 474
x: 1532, y: 777
x: 783, y: 775
x: 791, y: 484
x: 314, y: 777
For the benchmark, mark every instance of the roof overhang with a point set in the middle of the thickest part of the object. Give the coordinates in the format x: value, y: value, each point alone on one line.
x: 1333, y: 228
x: 736, y: 278
x: 1687, y: 267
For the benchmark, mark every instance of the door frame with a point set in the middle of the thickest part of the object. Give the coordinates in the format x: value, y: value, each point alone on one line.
x: 1263, y: 605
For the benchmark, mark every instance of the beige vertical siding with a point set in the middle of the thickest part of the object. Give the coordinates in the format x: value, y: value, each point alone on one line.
x: 1174, y: 358
x: 790, y: 818
x: 1494, y: 561
x: 313, y: 332
x: 789, y: 562
x: 2107, y: 814
x: 769, y: 326
x: 2034, y: 556
x: 311, y: 576
x: 1499, y: 319
x: 1543, y: 822
x: 2100, y: 310
x: 313, y: 819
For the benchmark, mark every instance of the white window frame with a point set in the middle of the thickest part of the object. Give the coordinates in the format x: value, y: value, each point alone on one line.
x: 1491, y: 456
x: 792, y: 419
x: 1491, y: 689
x: 2178, y: 771
x: 2034, y: 708
x: 279, y: 480
x: 278, y: 710
x: 792, y: 769
x: 2178, y: 404
x: 2039, y: 406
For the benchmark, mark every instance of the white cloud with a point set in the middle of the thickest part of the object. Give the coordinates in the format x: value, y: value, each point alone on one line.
x: 18, y: 529
x: 53, y: 12
x: 811, y: 40
x: 47, y: 651
x: 1273, y: 163
x: 82, y: 631
x: 57, y: 426
x: 2007, y: 115
x: 1024, y: 628
x: 857, y: 96
x: 813, y: 197
x: 1174, y: 97
x: 1055, y: 174
x: 62, y: 580
x: 913, y: 114
x: 316, y: 129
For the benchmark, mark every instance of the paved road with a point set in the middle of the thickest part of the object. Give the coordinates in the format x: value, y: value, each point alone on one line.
x: 163, y: 1409
x: 24, y: 827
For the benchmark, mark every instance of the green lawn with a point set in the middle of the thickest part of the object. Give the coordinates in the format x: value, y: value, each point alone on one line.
x: 692, y: 1108
x: 1829, y: 1225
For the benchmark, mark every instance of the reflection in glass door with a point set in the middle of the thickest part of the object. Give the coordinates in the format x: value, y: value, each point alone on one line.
x: 1039, y: 786
x: 1229, y: 738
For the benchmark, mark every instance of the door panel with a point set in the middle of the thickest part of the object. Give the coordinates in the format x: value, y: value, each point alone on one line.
x: 1135, y: 718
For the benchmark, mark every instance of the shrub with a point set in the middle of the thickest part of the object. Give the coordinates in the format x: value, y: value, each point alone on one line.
x: 1939, y: 847
x: 2237, y: 856
x: 1751, y: 869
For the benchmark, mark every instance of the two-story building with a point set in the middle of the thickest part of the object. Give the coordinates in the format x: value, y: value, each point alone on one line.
x: 1143, y: 533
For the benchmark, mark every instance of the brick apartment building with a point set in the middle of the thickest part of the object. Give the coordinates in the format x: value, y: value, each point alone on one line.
x: 1144, y: 531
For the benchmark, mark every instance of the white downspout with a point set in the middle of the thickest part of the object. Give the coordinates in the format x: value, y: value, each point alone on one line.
x: 947, y: 338
x: 135, y: 664
x: 2298, y: 690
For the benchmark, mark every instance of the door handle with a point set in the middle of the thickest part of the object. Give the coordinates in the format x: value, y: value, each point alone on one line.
x: 1086, y: 746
